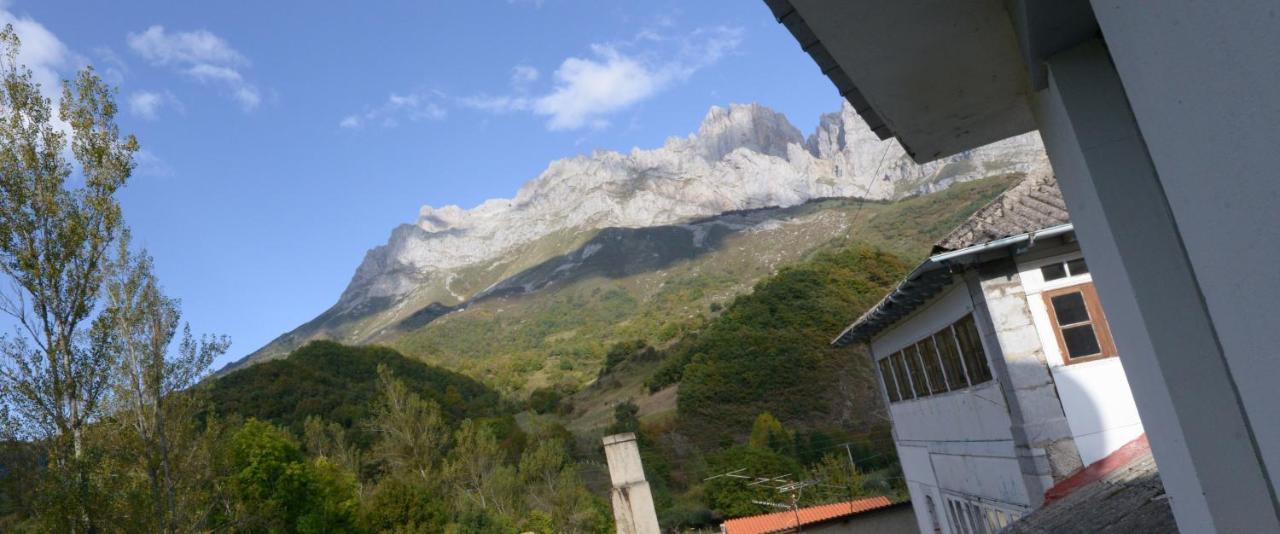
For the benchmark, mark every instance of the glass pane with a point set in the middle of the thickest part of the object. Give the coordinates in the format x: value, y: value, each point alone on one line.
x: 1080, y: 341
x: 975, y: 359
x: 917, y: 372
x: 1070, y: 308
x: 1053, y: 271
x: 904, y: 381
x: 890, y: 385
x: 932, y: 366
x: 951, y: 366
x: 1077, y: 267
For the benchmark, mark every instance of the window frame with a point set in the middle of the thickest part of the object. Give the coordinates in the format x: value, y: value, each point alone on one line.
x: 887, y: 378
x: 1097, y: 319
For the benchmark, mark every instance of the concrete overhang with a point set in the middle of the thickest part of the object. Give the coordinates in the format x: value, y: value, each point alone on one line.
x: 942, y: 76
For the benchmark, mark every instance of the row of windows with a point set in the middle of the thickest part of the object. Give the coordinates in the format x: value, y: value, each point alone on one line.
x: 950, y: 359
x: 968, y: 517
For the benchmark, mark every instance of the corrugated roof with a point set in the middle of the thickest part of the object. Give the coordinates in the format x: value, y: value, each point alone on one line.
x: 1035, y: 203
x: 784, y: 521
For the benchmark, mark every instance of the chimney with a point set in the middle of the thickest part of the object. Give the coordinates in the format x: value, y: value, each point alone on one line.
x: 632, y: 502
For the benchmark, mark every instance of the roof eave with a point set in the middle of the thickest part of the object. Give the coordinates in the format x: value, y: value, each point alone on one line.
x: 915, y: 289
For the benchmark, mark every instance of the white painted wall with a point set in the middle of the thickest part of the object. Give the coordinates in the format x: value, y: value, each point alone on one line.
x: 1203, y: 80
x: 1095, y: 395
x: 966, y: 432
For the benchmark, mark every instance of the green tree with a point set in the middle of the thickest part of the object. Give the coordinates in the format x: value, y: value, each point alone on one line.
x: 274, y: 488
x: 732, y: 496
x: 329, y: 441
x: 477, y: 473
x: 767, y: 432
x: 411, y: 432
x: 838, y: 480
x: 53, y: 247
x: 140, y: 324
x: 403, y: 504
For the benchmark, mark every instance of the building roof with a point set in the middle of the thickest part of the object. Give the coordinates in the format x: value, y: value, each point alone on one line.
x: 1030, y: 210
x: 1121, y: 493
x: 1033, y: 204
x: 786, y: 521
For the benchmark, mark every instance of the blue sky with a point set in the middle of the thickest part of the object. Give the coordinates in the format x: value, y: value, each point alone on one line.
x: 284, y: 139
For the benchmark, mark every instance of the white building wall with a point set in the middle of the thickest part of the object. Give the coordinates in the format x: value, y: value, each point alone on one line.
x: 1095, y: 395
x: 957, y: 443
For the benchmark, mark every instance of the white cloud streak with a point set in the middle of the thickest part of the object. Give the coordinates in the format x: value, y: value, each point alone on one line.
x: 614, y: 77
x: 201, y: 55
x: 413, y: 107
x: 148, y: 104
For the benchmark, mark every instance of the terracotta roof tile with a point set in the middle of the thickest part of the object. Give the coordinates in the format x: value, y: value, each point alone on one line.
x: 783, y: 521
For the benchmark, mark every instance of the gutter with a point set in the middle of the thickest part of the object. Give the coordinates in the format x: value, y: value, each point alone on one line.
x: 1029, y: 238
x: 914, y: 286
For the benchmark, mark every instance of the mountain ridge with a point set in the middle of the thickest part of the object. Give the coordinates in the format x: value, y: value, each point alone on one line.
x: 742, y: 157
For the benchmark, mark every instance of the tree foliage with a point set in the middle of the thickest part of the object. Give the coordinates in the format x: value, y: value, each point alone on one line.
x: 340, y: 384
x: 769, y: 351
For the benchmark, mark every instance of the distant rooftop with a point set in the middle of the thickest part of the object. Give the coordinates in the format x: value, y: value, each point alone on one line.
x: 786, y: 521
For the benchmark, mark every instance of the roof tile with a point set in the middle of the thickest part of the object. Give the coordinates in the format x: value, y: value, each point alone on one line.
x: 784, y: 521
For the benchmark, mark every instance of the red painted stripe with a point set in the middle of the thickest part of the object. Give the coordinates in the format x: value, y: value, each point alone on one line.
x: 1098, y: 470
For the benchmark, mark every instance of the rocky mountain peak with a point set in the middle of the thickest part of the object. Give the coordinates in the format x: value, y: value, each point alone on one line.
x: 750, y: 126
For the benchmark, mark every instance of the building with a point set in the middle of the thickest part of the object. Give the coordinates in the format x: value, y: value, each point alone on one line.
x: 874, y: 514
x: 1161, y: 123
x: 996, y: 364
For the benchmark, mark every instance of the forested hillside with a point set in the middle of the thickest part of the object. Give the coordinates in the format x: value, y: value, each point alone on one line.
x: 339, y: 384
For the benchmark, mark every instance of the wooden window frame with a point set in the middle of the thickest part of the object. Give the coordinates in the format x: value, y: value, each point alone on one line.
x: 885, y: 367
x: 1097, y: 319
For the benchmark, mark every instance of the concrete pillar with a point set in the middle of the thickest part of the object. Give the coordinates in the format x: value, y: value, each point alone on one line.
x: 1200, y: 434
x: 1042, y: 438
x: 632, y: 501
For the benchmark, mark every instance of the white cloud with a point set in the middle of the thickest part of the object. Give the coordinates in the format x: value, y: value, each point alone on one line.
x: 413, y: 107
x: 42, y: 52
x: 523, y: 74
x: 537, y: 4
x: 148, y: 164
x: 200, y: 54
x: 111, y: 67
x: 496, y: 104
x: 147, y: 104
x: 614, y: 77
x: 588, y: 89
x: 183, y: 48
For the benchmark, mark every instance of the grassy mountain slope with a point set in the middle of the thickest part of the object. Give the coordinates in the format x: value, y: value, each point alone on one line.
x: 657, y: 292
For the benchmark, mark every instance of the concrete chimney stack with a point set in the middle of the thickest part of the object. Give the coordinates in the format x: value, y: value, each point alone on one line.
x: 632, y: 501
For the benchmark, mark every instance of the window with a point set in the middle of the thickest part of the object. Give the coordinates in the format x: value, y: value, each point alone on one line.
x: 904, y: 378
x: 1079, y: 324
x: 972, y: 516
x: 975, y: 359
x: 917, y: 371
x: 932, y: 365
x: 1063, y: 269
x: 890, y: 384
x: 949, y: 352
x: 950, y: 359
